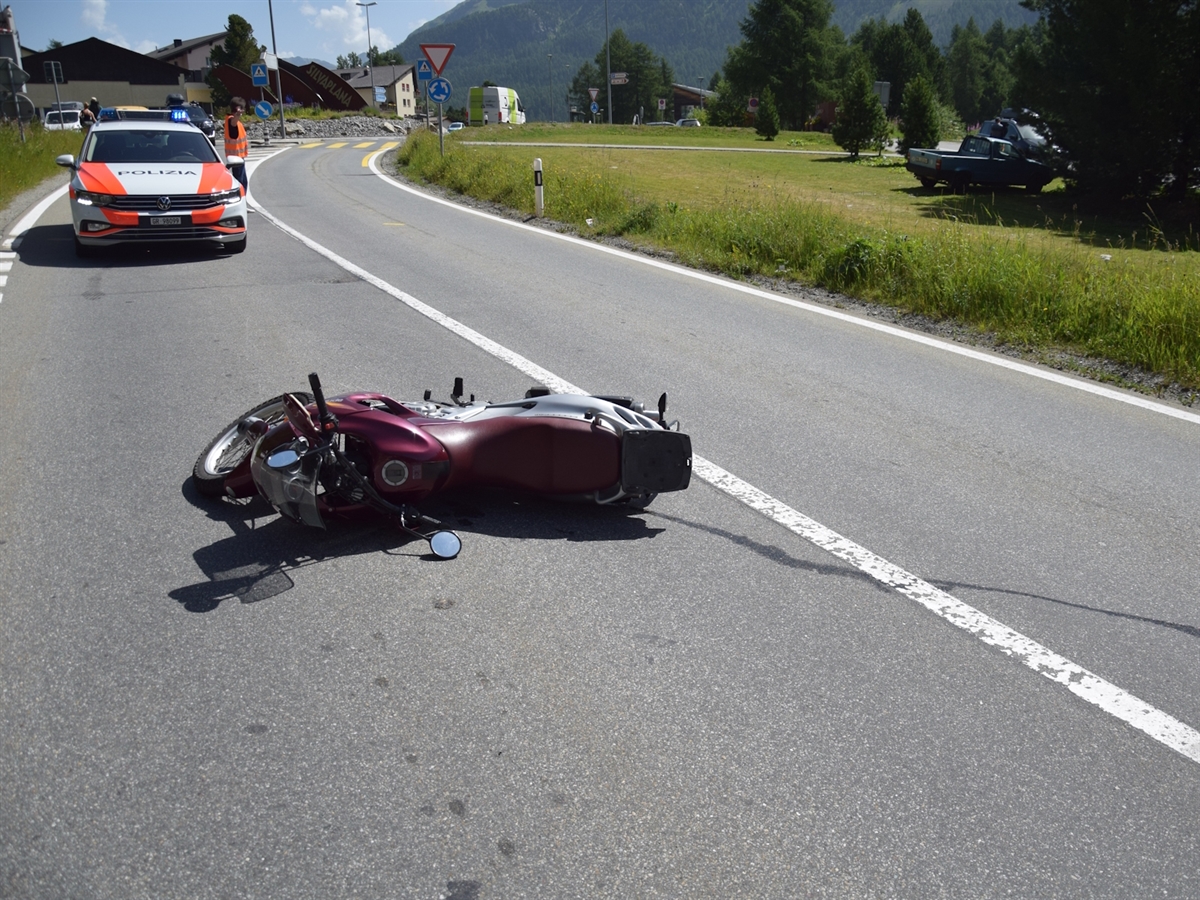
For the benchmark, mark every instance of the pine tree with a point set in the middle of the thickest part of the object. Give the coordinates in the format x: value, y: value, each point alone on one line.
x: 861, y: 122
x: 1115, y: 83
x: 239, y: 50
x: 767, y: 123
x: 787, y: 45
x: 918, y: 115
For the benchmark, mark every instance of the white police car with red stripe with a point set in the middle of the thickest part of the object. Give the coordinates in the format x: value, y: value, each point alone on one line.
x: 143, y: 176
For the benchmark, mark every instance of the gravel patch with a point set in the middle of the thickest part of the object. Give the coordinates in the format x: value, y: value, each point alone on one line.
x: 346, y: 126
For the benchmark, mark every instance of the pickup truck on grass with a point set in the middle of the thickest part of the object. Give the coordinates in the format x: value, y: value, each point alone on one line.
x: 980, y: 160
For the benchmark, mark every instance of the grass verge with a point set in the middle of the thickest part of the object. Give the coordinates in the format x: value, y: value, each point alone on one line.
x: 1032, y: 271
x: 26, y: 164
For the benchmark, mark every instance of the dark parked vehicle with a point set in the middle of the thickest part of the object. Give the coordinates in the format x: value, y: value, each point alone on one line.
x: 979, y: 160
x: 1024, y: 138
x: 196, y: 114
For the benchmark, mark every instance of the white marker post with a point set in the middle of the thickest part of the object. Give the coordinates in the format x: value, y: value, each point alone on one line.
x: 537, y: 188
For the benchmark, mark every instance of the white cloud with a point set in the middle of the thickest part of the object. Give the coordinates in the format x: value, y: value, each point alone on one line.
x: 346, y: 25
x: 95, y: 17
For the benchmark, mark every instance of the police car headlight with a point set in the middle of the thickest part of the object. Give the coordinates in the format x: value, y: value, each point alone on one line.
x: 88, y: 198
x: 229, y: 196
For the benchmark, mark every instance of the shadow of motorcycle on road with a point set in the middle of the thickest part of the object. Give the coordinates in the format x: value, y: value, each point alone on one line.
x: 253, y: 563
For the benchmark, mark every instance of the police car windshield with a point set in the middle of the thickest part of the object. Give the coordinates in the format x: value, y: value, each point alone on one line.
x: 149, y: 145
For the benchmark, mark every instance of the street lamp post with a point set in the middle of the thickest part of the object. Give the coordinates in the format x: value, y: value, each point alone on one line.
x: 370, y: 68
x: 607, y: 62
x: 550, y: 70
x: 278, y: 75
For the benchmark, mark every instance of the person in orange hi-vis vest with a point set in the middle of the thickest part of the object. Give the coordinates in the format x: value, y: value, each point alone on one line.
x: 236, y: 142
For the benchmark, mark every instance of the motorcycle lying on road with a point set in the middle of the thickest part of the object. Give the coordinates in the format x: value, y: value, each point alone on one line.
x: 365, y: 453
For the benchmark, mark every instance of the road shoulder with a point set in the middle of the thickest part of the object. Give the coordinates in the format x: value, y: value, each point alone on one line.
x: 26, y: 200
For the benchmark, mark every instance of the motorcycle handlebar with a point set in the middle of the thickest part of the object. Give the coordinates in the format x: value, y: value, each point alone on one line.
x: 323, y: 415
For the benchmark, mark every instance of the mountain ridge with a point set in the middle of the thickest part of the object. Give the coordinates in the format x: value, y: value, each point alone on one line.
x: 537, y: 46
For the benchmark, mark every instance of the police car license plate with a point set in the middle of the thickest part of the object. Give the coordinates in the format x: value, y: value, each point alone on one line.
x: 165, y: 220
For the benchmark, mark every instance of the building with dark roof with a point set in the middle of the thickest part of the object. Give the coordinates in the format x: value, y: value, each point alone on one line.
x: 193, y: 56
x: 113, y: 75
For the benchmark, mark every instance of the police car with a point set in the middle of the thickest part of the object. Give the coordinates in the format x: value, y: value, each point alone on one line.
x: 148, y: 176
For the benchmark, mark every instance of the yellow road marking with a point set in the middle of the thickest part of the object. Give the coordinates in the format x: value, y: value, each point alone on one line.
x: 389, y: 145
x: 339, y: 144
x: 310, y: 146
x: 363, y: 144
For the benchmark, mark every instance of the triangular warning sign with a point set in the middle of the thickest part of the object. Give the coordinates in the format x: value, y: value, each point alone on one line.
x: 438, y: 55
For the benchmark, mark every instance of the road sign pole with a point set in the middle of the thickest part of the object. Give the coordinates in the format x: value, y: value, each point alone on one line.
x: 54, y: 70
x: 441, y: 134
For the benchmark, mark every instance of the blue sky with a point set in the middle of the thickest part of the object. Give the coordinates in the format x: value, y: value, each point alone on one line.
x: 323, y: 29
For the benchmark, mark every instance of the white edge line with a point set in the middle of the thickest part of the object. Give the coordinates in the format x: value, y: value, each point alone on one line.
x: 1105, y: 695
x: 27, y: 221
x: 928, y: 341
x: 1086, y: 685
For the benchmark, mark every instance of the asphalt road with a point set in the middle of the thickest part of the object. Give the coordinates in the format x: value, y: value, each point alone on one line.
x: 201, y: 700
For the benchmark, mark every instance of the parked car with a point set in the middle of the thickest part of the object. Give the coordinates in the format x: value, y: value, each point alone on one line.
x: 199, y: 117
x: 688, y: 123
x: 1024, y: 137
x: 63, y: 120
x: 979, y: 160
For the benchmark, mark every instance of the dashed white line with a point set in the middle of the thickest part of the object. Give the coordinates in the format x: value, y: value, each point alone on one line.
x: 1117, y: 702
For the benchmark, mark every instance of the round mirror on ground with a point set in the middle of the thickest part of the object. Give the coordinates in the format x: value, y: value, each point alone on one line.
x: 283, y: 459
x: 445, y: 544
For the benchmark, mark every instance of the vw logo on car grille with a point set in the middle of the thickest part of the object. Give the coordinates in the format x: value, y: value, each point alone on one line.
x: 164, y: 203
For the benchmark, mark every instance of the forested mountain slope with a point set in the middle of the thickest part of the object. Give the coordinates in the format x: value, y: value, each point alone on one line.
x: 537, y: 46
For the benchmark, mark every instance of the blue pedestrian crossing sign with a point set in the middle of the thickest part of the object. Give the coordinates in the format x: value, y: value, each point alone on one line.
x: 439, y: 90
x: 258, y: 74
x: 424, y: 70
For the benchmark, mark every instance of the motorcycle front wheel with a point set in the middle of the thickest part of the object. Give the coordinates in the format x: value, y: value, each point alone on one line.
x: 231, y: 446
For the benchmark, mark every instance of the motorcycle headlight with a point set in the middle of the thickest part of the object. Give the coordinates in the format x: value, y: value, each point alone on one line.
x: 229, y: 196
x: 88, y: 198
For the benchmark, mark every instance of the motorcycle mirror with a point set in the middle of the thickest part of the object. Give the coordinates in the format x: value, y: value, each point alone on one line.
x: 445, y: 544
x: 662, y: 408
x: 283, y: 459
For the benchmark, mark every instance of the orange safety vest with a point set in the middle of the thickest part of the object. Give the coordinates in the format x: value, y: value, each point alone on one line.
x: 236, y: 143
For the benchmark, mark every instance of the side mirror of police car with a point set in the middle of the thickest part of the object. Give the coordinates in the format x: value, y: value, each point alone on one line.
x: 67, y: 161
